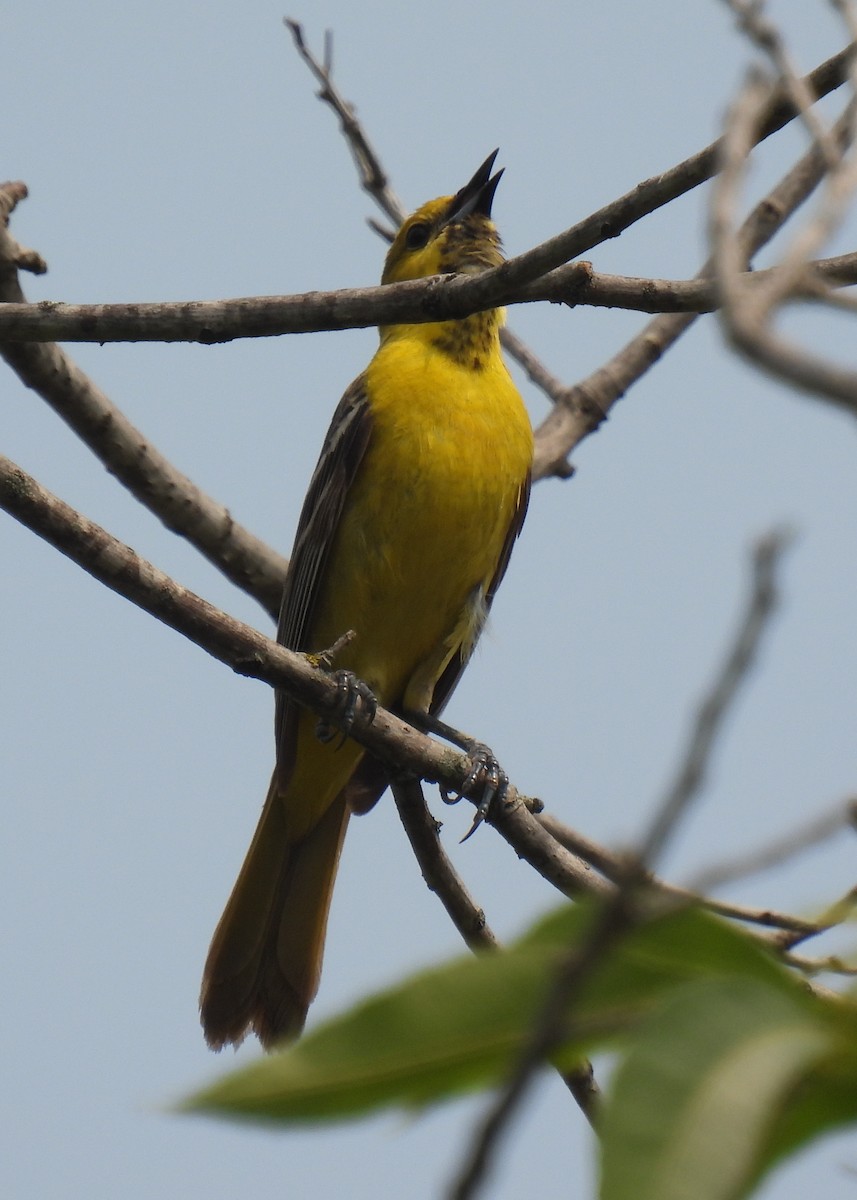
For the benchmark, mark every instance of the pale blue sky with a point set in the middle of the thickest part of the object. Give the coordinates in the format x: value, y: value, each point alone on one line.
x: 176, y: 151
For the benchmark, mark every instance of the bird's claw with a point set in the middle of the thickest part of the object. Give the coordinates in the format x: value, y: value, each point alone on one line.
x: 486, y: 776
x: 351, y: 692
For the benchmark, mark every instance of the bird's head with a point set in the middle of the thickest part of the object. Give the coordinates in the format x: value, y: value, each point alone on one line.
x: 449, y: 235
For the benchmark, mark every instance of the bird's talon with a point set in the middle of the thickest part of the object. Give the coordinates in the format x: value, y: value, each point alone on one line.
x: 486, y: 774
x: 351, y: 692
x: 477, y: 821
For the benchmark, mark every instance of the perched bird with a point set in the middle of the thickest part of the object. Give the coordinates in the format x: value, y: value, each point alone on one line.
x: 405, y: 534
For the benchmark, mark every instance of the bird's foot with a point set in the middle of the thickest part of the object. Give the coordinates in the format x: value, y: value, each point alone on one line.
x: 351, y: 694
x: 485, y: 778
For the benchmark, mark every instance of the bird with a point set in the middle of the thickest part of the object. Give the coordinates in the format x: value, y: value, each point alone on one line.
x: 417, y: 499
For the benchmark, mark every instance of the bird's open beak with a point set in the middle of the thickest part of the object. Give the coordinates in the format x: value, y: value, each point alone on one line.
x: 477, y: 195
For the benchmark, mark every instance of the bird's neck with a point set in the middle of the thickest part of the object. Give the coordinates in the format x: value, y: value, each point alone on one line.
x: 471, y: 342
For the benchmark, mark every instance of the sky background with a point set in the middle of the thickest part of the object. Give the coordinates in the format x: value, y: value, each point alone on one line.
x: 177, y: 151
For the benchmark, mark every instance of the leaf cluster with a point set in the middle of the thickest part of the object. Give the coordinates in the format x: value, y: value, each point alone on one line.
x: 724, y: 1062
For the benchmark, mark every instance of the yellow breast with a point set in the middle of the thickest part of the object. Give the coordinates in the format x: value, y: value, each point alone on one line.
x: 429, y: 513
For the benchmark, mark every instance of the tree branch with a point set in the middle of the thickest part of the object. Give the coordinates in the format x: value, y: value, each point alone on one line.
x: 654, y: 193
x: 580, y: 410
x: 747, y: 314
x: 250, y: 653
x: 613, y: 867
x: 177, y: 501
x: 438, y: 872
x: 373, y: 177
x: 413, y: 301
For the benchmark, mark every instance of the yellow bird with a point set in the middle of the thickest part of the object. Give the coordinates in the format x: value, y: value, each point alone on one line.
x: 405, y: 534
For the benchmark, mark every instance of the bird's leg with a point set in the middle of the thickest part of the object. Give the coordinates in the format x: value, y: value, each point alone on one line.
x: 351, y: 691
x: 485, y: 774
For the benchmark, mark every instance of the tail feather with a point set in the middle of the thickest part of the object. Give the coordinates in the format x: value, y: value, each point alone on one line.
x: 264, y: 964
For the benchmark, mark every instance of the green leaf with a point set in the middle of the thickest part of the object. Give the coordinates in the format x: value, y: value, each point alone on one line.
x: 826, y: 1098
x: 436, y: 1035
x: 459, y: 1026
x: 684, y: 946
x: 695, y: 1101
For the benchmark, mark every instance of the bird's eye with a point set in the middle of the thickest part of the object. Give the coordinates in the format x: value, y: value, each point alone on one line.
x: 417, y: 236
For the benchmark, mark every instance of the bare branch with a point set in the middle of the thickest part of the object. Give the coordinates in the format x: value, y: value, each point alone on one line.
x: 144, y: 471
x: 748, y: 313
x: 614, y: 867
x: 373, y: 177
x: 584, y: 406
x: 211, y: 322
x: 414, y: 301
x: 751, y: 19
x: 831, y: 964
x: 440, y: 875
x: 571, y: 285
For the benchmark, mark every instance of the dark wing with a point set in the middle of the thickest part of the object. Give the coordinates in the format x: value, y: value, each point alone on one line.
x: 370, y: 779
x: 341, y: 455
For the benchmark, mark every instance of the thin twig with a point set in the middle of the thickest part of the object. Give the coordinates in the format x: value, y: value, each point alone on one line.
x: 437, y: 870
x: 373, y: 177
x: 746, y: 314
x: 840, y: 911
x: 610, y: 923
x: 614, y: 867
x: 752, y: 20
x: 830, y: 964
